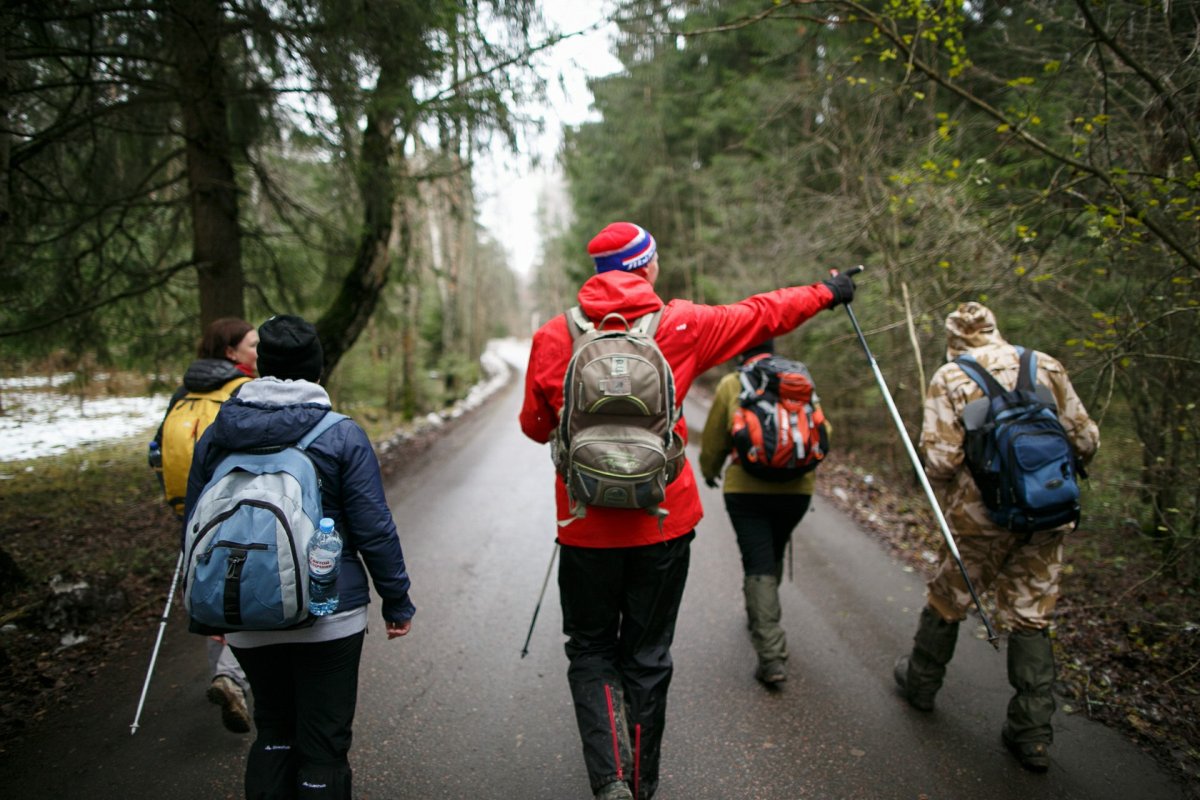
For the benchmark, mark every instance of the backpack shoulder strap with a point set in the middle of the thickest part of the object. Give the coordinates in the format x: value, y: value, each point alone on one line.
x: 578, y: 322
x: 647, y: 324
x: 330, y: 419
x: 1027, y: 372
x: 747, y: 372
x: 976, y: 372
x: 234, y: 386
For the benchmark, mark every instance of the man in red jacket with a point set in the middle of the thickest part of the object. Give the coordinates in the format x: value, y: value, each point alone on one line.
x: 622, y: 572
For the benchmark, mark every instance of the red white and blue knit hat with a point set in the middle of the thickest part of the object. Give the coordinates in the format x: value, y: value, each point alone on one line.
x: 623, y: 246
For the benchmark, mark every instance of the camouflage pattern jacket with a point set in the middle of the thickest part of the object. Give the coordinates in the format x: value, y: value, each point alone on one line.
x: 972, y: 328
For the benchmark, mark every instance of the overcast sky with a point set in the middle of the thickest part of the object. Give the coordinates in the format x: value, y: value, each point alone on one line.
x: 509, y: 187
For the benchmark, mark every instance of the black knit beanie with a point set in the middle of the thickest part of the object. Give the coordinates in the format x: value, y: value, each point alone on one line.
x: 288, y: 348
x: 765, y: 348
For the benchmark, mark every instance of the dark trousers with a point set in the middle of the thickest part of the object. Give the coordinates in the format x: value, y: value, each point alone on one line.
x: 619, y: 609
x: 764, y: 524
x: 304, y: 700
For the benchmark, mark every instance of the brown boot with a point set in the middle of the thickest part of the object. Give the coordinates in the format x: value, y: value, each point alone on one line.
x: 225, y: 693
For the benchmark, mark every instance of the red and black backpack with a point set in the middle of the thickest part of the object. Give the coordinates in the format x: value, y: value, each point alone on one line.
x: 778, y: 429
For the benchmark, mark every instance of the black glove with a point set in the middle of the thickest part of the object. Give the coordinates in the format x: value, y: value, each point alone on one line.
x: 842, y: 287
x: 711, y: 482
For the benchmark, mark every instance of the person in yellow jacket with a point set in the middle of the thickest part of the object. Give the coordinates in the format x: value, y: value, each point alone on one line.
x: 764, y: 514
x: 227, y: 358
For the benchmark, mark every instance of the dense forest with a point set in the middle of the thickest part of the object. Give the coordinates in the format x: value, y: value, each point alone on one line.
x: 1040, y: 157
x: 169, y: 162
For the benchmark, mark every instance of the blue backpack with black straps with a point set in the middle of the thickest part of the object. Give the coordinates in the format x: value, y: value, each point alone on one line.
x: 246, y: 540
x: 1018, y: 452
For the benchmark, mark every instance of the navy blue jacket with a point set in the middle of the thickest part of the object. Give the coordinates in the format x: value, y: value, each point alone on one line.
x: 271, y: 413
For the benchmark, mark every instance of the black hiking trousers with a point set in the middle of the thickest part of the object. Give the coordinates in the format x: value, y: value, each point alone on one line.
x: 764, y: 524
x: 619, y: 609
x: 305, y: 696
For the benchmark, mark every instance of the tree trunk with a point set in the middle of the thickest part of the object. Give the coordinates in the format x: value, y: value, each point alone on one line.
x: 346, y: 317
x: 195, y: 29
x: 5, y: 138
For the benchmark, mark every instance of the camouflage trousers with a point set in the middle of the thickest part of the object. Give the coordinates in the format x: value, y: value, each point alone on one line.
x: 1022, y: 573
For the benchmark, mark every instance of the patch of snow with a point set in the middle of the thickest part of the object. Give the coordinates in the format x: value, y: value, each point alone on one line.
x: 37, y: 381
x: 44, y: 423
x: 40, y: 424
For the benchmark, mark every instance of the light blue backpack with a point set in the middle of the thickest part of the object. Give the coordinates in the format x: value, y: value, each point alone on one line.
x: 246, y: 541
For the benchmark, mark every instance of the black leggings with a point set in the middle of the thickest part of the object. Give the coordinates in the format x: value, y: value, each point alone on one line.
x: 764, y: 524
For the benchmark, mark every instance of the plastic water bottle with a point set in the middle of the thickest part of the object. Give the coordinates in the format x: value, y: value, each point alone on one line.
x: 154, y: 459
x: 324, y: 562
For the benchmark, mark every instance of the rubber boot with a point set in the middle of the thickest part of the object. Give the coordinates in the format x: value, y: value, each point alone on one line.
x: 1027, y: 732
x: 764, y: 612
x: 919, y: 674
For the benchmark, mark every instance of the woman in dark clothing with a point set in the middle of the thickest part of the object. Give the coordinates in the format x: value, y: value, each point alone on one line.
x: 305, y: 680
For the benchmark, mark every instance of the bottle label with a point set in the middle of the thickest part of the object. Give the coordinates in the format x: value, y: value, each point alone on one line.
x: 321, y: 564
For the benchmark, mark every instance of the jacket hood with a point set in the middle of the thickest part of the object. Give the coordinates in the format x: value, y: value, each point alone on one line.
x: 208, y: 374
x: 626, y: 293
x: 269, y: 412
x: 969, y: 326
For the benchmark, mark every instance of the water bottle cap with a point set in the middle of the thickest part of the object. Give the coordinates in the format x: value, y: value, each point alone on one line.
x: 326, y: 524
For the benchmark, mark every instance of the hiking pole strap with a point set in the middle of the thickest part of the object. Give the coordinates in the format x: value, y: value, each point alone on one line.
x: 157, y: 642
x: 541, y: 595
x: 916, y: 462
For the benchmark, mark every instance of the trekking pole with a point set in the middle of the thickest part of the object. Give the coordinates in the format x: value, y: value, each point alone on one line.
x: 791, y: 549
x: 916, y: 462
x: 157, y: 642
x: 538, y: 607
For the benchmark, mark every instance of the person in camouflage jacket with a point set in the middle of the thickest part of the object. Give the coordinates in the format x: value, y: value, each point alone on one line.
x: 1021, y: 570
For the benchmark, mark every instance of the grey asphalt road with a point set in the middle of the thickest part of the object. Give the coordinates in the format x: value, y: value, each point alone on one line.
x: 453, y: 711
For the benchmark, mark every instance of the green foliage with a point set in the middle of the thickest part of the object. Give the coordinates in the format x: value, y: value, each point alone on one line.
x: 97, y: 249
x: 1038, y: 156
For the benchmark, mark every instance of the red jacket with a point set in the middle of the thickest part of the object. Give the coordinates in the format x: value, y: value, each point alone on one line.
x: 693, y: 338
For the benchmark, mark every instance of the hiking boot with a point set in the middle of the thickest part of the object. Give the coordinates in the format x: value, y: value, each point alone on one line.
x: 771, y: 673
x: 1034, y: 756
x: 922, y: 701
x: 919, y: 674
x: 225, y: 693
x: 617, y: 790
